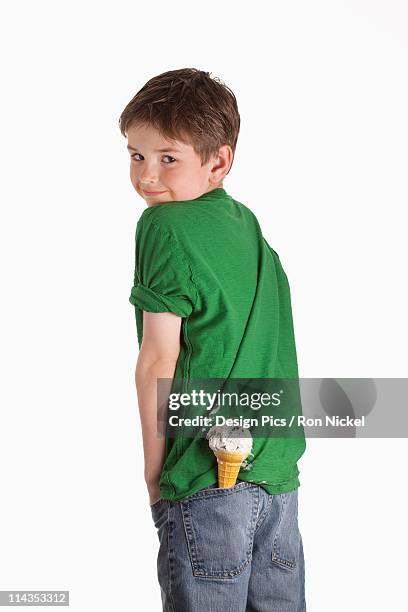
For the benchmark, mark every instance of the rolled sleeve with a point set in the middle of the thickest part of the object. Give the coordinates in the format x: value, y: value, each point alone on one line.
x: 152, y: 301
x: 163, y: 280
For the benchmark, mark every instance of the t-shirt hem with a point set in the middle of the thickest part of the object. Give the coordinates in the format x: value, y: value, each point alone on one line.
x: 282, y: 487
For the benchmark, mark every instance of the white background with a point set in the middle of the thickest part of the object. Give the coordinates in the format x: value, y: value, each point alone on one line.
x: 321, y: 160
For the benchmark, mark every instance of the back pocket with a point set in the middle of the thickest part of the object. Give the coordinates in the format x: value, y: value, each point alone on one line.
x: 219, y: 525
x: 286, y: 542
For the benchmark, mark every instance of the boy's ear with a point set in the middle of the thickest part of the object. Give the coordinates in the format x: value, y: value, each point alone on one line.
x: 161, y: 336
x: 221, y: 163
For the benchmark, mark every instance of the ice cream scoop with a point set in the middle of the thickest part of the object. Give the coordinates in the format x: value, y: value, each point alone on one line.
x: 230, y: 451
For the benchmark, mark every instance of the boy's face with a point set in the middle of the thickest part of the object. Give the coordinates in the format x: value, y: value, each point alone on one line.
x: 174, y: 173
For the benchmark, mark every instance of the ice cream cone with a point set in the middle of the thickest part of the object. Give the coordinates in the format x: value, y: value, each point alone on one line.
x: 229, y: 463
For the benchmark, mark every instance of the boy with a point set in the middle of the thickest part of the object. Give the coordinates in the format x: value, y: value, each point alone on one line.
x: 211, y: 301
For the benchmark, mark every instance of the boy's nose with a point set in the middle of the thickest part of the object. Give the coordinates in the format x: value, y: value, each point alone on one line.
x: 148, y: 176
x: 148, y: 179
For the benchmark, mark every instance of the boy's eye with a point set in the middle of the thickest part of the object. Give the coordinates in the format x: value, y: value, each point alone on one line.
x: 169, y: 156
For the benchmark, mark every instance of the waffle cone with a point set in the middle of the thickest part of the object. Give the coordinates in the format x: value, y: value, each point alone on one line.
x: 229, y: 463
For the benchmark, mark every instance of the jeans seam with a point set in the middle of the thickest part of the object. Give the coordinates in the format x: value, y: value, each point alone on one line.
x: 169, y: 561
x: 264, y: 513
x: 259, y: 505
x: 275, y: 553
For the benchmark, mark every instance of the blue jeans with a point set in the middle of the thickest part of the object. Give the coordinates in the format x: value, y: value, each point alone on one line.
x: 230, y: 549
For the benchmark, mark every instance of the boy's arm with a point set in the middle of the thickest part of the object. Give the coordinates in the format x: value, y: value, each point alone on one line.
x: 157, y: 358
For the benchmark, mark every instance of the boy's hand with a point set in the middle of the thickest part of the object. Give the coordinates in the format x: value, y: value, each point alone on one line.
x: 154, y: 493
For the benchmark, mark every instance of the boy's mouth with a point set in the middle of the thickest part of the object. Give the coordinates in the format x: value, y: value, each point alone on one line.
x: 153, y: 193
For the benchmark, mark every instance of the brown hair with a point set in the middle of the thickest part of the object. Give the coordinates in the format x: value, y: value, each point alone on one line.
x: 187, y: 105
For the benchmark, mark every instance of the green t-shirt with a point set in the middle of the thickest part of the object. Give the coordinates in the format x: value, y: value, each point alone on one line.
x: 207, y: 261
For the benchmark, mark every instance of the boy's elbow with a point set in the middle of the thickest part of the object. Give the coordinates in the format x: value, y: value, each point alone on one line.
x: 160, y: 365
